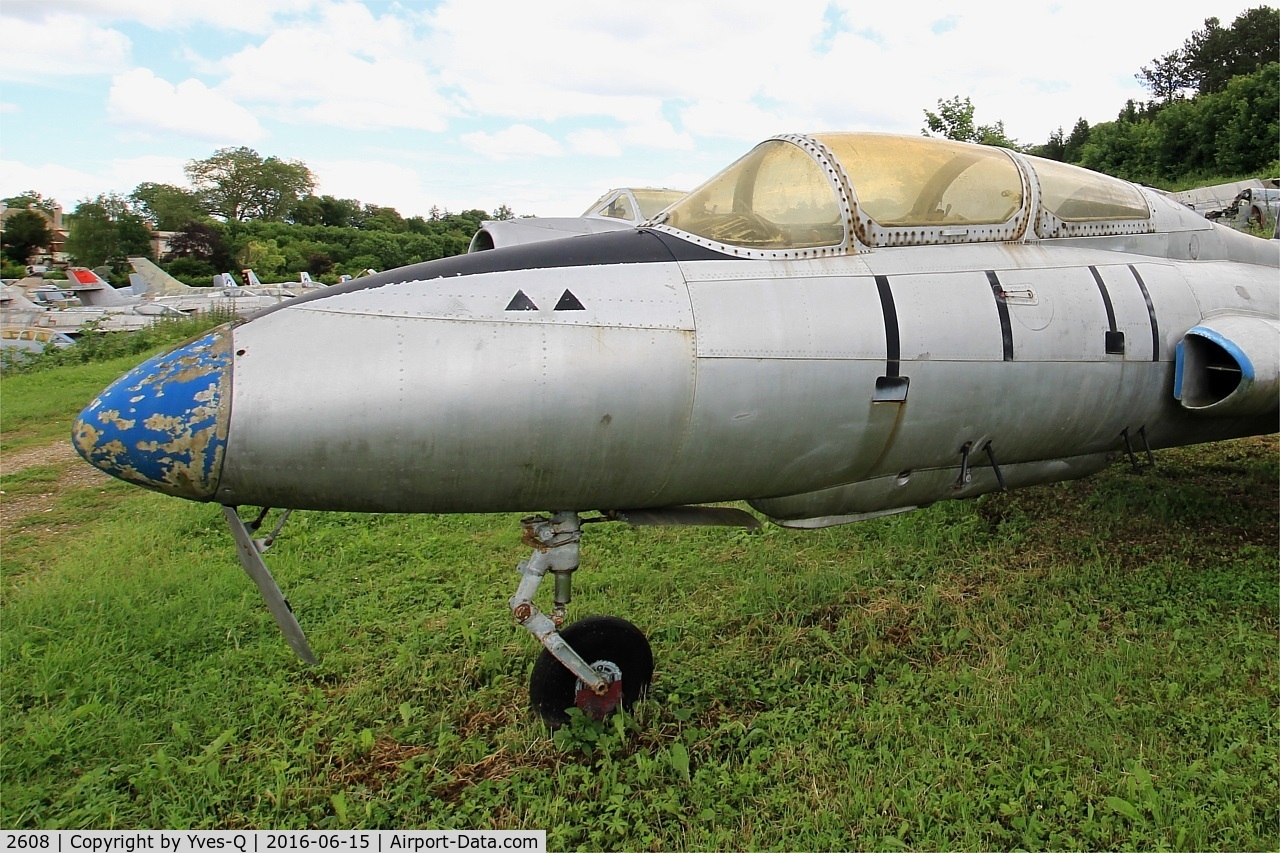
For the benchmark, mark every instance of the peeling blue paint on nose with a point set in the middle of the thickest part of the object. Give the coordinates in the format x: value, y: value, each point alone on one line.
x: 163, y: 424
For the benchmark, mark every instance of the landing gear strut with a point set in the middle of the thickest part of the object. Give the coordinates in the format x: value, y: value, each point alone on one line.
x: 597, y: 664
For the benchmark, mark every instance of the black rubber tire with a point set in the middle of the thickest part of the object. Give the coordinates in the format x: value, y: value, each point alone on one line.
x: 552, y: 687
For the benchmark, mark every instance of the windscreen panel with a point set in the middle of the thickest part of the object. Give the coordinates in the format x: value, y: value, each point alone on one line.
x: 776, y: 197
x: 618, y: 206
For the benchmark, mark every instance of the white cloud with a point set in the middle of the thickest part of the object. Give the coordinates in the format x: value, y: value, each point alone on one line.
x: 595, y: 143
x: 752, y: 70
x: 370, y: 181
x: 146, y: 104
x: 550, y: 60
x: 517, y: 141
x: 617, y: 141
x: 655, y: 132
x: 348, y: 69
x: 57, y: 46
x: 740, y: 120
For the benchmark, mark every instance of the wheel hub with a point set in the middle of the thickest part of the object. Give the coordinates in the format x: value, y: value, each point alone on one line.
x: 597, y: 706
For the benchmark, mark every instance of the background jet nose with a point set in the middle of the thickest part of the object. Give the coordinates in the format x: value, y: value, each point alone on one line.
x: 163, y: 424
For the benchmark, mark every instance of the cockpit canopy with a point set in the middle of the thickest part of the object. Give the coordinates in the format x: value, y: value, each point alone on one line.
x: 803, y: 195
x: 632, y: 204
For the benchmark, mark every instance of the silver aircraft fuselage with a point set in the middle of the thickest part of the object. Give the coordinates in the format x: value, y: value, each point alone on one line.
x: 648, y: 368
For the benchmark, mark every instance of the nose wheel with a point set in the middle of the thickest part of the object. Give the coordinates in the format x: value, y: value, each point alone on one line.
x: 601, y: 663
x: 619, y: 654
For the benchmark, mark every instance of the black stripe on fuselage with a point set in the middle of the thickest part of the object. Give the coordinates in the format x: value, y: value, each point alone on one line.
x: 1151, y: 312
x: 1113, y: 340
x: 1106, y: 298
x: 630, y: 246
x: 892, y: 337
x: 1006, y: 328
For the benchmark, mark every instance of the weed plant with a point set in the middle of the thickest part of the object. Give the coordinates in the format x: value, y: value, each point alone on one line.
x: 1088, y: 665
x: 94, y: 345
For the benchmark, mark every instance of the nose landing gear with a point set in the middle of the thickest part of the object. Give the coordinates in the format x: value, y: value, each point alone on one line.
x: 597, y: 664
x: 600, y: 663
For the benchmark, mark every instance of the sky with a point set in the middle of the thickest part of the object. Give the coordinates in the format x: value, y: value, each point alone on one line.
x: 539, y: 105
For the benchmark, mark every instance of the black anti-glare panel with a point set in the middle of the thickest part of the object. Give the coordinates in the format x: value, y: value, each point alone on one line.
x: 629, y: 246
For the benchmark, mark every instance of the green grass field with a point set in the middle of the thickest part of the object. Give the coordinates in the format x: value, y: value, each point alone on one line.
x: 1087, y: 665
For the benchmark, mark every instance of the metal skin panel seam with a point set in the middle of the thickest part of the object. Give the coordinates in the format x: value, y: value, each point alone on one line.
x: 615, y: 296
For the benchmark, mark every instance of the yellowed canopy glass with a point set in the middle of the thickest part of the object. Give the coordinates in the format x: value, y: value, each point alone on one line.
x: 776, y: 197
x: 653, y: 202
x: 1078, y: 195
x: 904, y: 181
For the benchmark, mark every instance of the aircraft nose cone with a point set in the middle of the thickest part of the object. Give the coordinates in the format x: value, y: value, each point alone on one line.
x: 163, y: 424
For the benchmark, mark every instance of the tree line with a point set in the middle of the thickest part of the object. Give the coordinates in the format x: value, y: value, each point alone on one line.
x: 242, y: 210
x: 1213, y: 114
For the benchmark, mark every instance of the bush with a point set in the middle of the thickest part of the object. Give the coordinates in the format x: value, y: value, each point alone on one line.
x: 103, y: 346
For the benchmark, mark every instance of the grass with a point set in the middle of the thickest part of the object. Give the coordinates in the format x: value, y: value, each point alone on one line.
x: 1086, y: 665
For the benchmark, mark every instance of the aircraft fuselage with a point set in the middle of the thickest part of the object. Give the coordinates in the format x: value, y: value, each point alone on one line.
x: 822, y: 387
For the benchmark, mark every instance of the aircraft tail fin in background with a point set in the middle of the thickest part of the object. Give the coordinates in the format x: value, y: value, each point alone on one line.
x: 13, y: 298
x: 155, y: 281
x: 93, y: 290
x: 250, y: 278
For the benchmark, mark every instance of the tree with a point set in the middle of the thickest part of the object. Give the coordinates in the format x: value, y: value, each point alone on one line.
x: 319, y: 263
x: 1075, y: 141
x: 326, y: 210
x: 133, y: 238
x: 201, y: 241
x: 238, y: 184
x: 954, y: 120
x: 168, y: 208
x: 91, y: 238
x: 263, y: 257
x: 382, y: 219
x: 1213, y: 55
x: 1244, y: 119
x: 1167, y: 76
x: 1232, y: 132
x: 107, y: 229
x: 1052, y: 149
x: 24, y: 232
x: 30, y: 199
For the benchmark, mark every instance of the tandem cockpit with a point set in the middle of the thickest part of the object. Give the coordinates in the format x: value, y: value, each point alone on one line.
x: 833, y: 194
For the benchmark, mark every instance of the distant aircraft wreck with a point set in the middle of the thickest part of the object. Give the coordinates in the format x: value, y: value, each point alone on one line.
x: 1239, y: 204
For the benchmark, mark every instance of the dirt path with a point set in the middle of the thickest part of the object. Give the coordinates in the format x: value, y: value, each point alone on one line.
x: 74, y: 473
